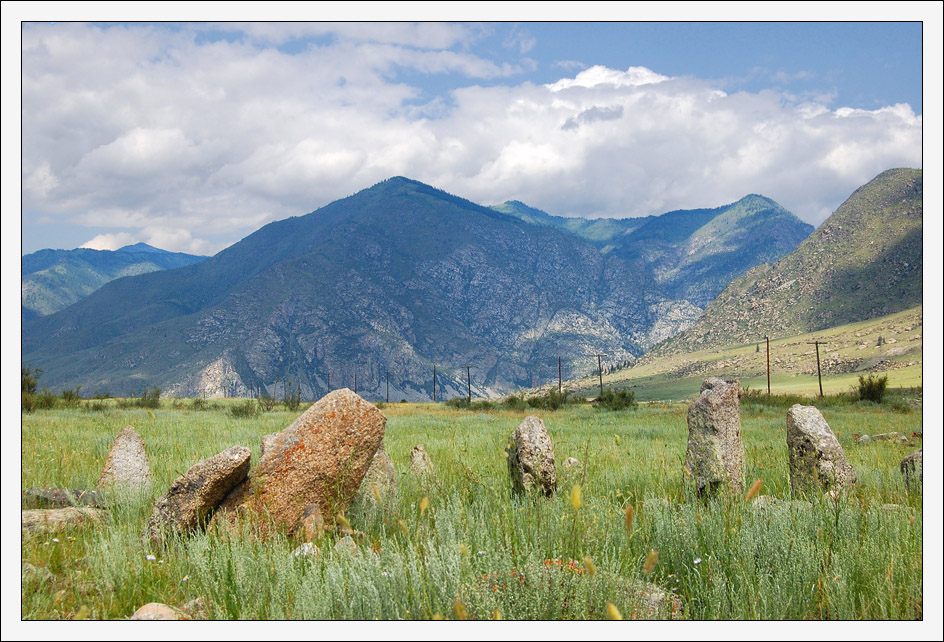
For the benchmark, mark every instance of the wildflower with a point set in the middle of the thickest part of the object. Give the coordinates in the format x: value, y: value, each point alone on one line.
x: 70, y: 539
x: 481, y: 552
x: 150, y: 557
x: 55, y: 540
x: 698, y: 560
x: 186, y: 578
x: 160, y: 561
x: 612, y: 612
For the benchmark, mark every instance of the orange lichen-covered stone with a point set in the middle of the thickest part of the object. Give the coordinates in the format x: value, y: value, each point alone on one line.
x: 320, y: 459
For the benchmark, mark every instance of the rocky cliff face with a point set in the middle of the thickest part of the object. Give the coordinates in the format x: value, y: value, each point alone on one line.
x: 387, y: 283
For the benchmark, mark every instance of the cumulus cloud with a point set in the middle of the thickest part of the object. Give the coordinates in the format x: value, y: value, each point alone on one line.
x: 109, y: 241
x: 192, y: 142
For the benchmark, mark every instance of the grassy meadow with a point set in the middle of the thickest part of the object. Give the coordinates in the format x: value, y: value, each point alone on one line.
x: 472, y: 549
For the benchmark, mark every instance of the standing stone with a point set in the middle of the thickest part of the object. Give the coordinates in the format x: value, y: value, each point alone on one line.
x: 531, y: 458
x: 912, y: 467
x: 321, y: 458
x: 715, y: 454
x: 382, y: 476
x: 193, y: 496
x: 420, y: 461
x: 127, y: 463
x: 817, y: 461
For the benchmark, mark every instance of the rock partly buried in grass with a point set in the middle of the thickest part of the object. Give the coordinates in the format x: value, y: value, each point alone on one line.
x: 62, y: 498
x: 308, y: 549
x: 346, y: 545
x: 35, y: 574
x: 912, y: 467
x: 817, y: 460
x: 420, y: 461
x: 194, y: 496
x: 321, y: 458
x: 715, y: 453
x: 127, y: 463
x: 531, y: 458
x: 45, y: 520
x: 570, y: 462
x: 379, y: 486
x: 890, y: 436
x: 156, y: 611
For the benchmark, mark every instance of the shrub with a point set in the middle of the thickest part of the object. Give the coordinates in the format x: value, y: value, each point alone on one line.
x: 292, y: 399
x: 872, y: 388
x: 71, y: 398
x: 267, y: 402
x: 552, y: 400
x: 199, y: 403
x: 245, y: 410
x: 617, y: 399
x: 29, y: 378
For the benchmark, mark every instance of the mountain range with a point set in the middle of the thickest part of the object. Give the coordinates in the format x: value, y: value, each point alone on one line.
x: 399, y: 278
x: 55, y: 279
x: 864, y: 261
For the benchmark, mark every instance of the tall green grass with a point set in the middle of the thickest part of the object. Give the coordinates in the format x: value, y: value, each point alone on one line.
x: 480, y: 545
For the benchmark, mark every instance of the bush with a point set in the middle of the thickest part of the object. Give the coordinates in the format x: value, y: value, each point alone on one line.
x: 292, y: 399
x: 872, y: 388
x: 245, y: 410
x: 71, y: 398
x: 617, y: 399
x: 553, y: 400
x: 267, y: 402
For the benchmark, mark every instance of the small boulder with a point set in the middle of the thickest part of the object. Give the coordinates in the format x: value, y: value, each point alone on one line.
x: 321, y: 458
x: 890, y: 436
x: 308, y: 549
x: 346, y: 545
x: 715, y: 453
x: 420, y: 461
x: 156, y: 611
x: 864, y: 439
x: 45, y: 520
x: 127, y: 463
x: 62, y: 498
x: 570, y: 462
x: 912, y: 467
x: 194, y: 496
x: 35, y: 574
x: 312, y: 524
x: 379, y: 486
x: 531, y: 458
x: 817, y: 460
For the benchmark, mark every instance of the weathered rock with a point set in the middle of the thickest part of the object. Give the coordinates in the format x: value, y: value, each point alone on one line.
x: 156, y: 611
x: 570, y: 462
x: 912, y: 467
x: 195, y: 609
x: 321, y: 458
x: 194, y: 496
x: 346, y: 545
x: 312, y: 522
x: 864, y: 439
x: 420, y: 461
x: 44, y: 520
x: 817, y: 460
x: 308, y: 549
x: 379, y: 486
x: 267, y: 443
x: 35, y: 574
x: 127, y: 463
x: 531, y: 458
x: 715, y: 453
x: 890, y: 436
x: 62, y: 498
x: 648, y: 601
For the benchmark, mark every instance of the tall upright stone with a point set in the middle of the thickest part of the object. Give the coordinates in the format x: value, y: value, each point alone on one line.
x: 420, y: 461
x: 127, y: 463
x: 817, y: 460
x: 194, y: 496
x: 531, y: 458
x: 715, y: 453
x: 320, y: 459
x: 912, y: 467
x: 379, y: 486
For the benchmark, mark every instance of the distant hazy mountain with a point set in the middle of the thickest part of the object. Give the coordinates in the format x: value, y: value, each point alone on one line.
x: 863, y: 262
x: 55, y: 279
x: 397, y: 278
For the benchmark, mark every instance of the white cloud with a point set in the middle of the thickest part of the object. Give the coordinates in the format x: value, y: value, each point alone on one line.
x: 167, y: 137
x: 110, y: 241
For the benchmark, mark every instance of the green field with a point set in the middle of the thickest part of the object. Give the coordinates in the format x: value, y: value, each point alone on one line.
x: 479, y: 551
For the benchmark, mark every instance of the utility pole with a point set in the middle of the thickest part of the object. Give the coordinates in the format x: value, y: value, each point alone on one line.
x: 434, y: 384
x: 819, y: 374
x: 560, y: 381
x: 388, y: 386
x: 768, y: 365
x: 600, y: 370
x: 468, y: 374
x: 355, y: 383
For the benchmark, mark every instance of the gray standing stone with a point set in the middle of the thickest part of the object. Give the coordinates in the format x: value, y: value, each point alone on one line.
x: 127, y: 463
x: 531, y: 458
x: 817, y: 460
x: 193, y: 497
x: 420, y: 461
x: 715, y: 453
x: 912, y: 467
x: 381, y: 476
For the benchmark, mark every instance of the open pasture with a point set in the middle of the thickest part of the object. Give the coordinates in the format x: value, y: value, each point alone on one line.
x: 459, y: 544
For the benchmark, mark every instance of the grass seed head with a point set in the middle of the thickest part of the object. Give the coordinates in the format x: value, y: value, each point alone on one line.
x: 376, y: 493
x: 612, y: 612
x: 588, y: 565
x: 496, y: 615
x: 629, y: 518
x: 459, y: 610
x: 753, y: 490
x: 650, y: 562
x: 403, y: 527
x: 576, y: 498
x: 424, y: 504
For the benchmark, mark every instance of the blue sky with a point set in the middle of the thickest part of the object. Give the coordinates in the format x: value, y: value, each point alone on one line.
x: 189, y: 136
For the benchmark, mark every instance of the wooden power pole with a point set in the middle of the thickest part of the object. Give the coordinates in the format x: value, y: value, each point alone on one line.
x: 468, y: 374
x: 434, y: 384
x: 819, y: 374
x: 600, y: 370
x: 768, y: 365
x: 388, y: 386
x: 560, y: 381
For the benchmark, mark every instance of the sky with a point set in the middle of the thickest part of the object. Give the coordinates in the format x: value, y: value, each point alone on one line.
x: 190, y: 136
